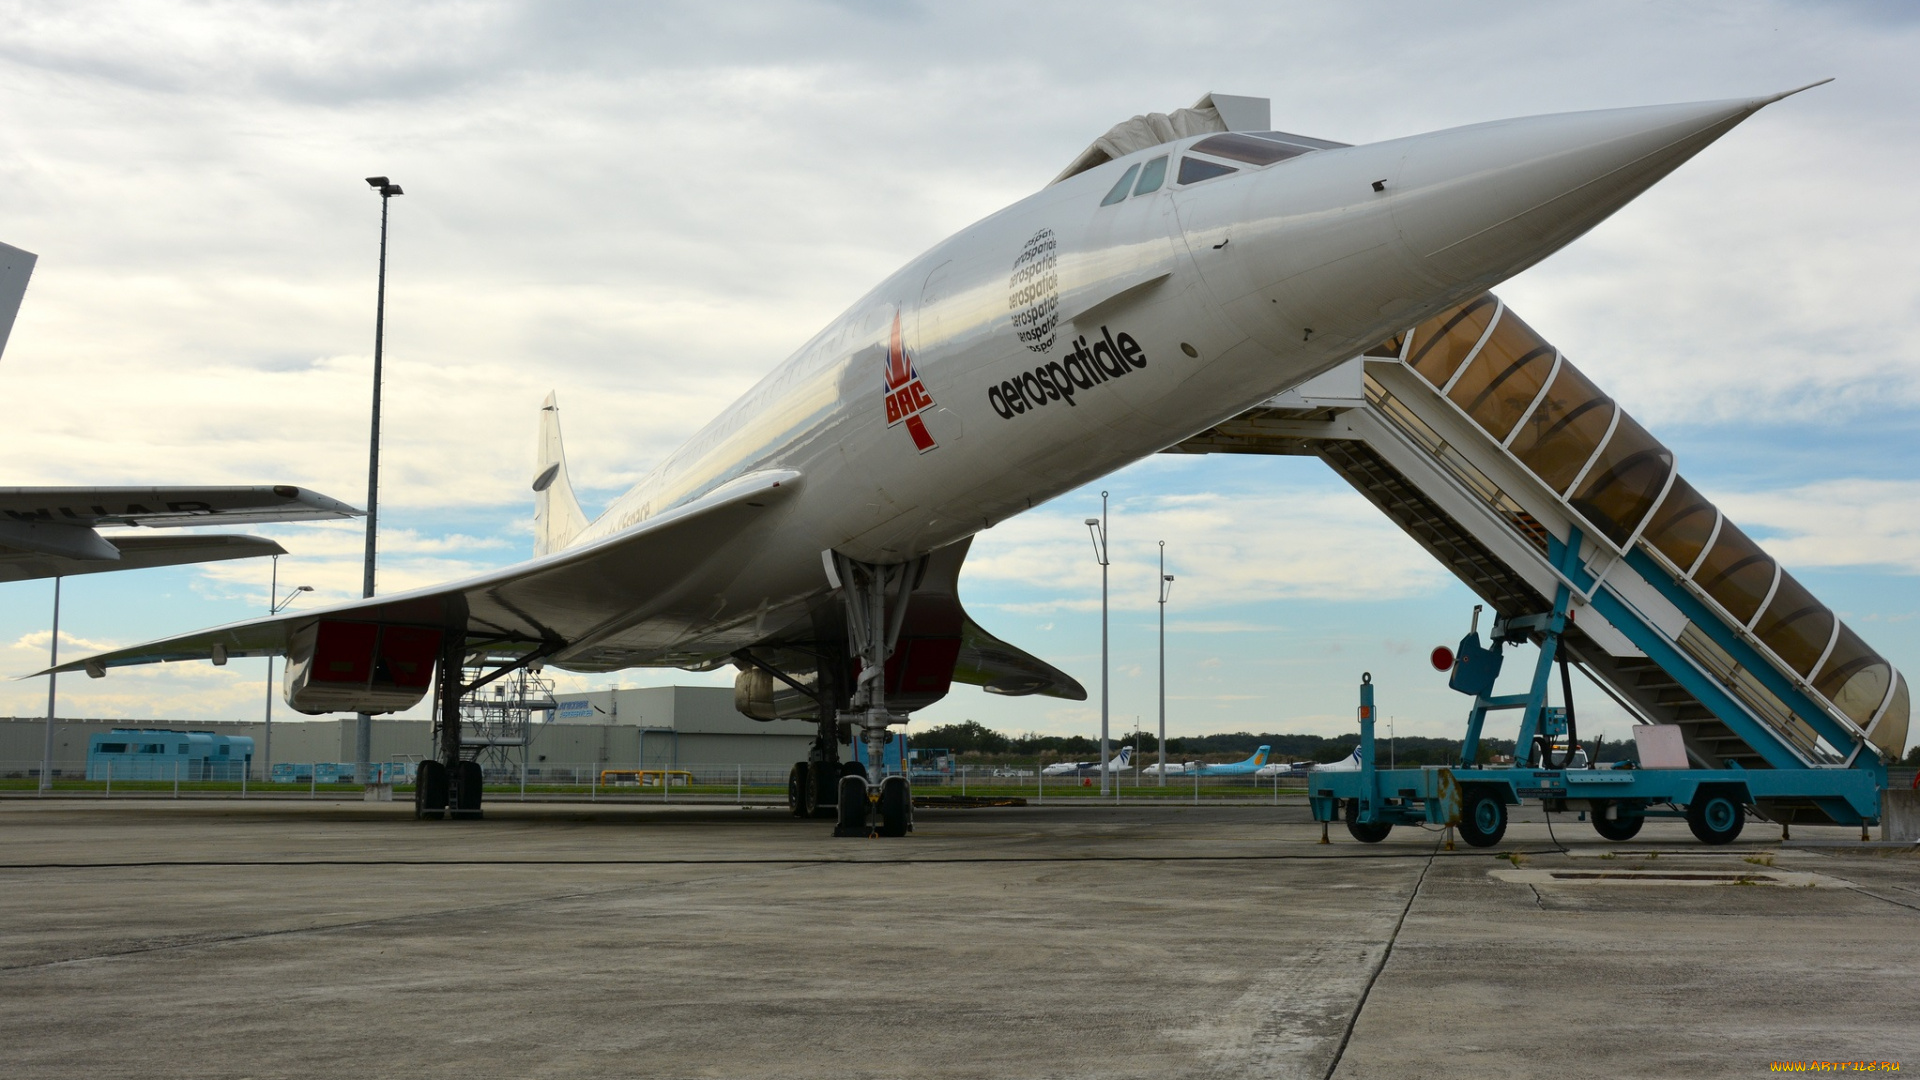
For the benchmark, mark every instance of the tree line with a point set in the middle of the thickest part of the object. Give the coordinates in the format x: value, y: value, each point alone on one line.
x: 974, y: 740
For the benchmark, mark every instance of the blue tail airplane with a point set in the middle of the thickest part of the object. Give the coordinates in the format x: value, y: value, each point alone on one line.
x: 1201, y: 768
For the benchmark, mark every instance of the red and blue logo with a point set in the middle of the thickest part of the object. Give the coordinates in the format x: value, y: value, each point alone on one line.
x: 907, y: 397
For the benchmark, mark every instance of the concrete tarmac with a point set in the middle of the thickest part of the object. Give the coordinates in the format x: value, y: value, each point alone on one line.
x: 223, y: 939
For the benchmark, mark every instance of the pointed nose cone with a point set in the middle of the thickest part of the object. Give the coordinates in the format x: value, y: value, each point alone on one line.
x: 1475, y: 205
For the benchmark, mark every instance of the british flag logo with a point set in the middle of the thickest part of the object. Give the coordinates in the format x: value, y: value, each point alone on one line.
x: 907, y: 397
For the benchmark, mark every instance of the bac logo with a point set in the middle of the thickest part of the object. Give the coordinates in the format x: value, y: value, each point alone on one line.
x: 907, y: 396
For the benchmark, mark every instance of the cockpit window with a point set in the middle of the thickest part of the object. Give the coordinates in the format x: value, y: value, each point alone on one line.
x: 1302, y: 141
x: 1152, y: 176
x: 1193, y: 170
x: 1248, y: 149
x: 1120, y: 189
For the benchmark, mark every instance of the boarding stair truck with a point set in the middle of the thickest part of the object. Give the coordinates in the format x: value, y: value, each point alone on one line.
x: 1574, y: 525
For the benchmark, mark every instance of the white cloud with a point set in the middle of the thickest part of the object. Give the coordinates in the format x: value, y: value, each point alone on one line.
x: 1290, y: 541
x: 1865, y: 523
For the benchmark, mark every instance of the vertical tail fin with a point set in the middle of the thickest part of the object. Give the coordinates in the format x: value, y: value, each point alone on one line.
x: 16, y: 267
x: 556, y: 513
x: 1260, y: 755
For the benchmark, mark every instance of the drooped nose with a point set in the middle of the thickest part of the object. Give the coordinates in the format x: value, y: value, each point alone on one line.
x: 1343, y: 246
x: 1475, y: 205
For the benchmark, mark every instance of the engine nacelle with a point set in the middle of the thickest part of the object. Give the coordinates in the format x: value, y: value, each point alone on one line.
x: 338, y: 666
x: 918, y: 674
x: 759, y: 696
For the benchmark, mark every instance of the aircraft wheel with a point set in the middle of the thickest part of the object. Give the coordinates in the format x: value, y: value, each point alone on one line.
x: 1716, y: 817
x: 464, y: 796
x: 797, y: 789
x: 429, y: 790
x: 1623, y: 827
x: 896, y: 806
x: 1483, y: 817
x: 1365, y: 833
x: 823, y: 791
x: 852, y: 806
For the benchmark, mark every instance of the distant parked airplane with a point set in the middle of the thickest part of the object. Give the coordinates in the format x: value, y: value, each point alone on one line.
x: 1237, y: 768
x: 1350, y: 763
x: 1122, y: 762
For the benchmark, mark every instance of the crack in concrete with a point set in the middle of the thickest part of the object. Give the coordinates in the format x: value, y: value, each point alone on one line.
x: 1887, y: 899
x: 1385, y: 955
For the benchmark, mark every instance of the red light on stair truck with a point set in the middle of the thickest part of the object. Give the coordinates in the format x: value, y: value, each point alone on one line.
x: 1441, y: 658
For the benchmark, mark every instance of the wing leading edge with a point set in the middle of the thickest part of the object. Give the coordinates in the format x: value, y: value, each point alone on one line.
x: 565, y: 600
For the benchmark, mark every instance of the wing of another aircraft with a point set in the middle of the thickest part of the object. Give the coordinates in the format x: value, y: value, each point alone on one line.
x: 136, y: 553
x: 53, y: 531
x: 167, y: 507
x: 577, y: 598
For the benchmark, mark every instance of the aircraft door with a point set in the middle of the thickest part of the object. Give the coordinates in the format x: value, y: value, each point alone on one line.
x: 1135, y: 236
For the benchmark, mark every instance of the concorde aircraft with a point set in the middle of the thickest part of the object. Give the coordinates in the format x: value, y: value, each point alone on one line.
x: 1183, y: 268
x: 54, y: 531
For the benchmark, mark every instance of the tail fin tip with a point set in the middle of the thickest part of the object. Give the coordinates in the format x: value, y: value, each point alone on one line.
x: 557, y: 517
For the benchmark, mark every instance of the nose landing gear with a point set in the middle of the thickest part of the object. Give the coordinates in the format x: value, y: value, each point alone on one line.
x: 876, y: 606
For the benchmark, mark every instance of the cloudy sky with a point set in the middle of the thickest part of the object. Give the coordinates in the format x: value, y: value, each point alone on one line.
x: 645, y: 207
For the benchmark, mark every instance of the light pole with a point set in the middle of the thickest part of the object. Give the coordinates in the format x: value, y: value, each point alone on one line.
x: 363, y: 730
x: 1098, y: 527
x: 53, y: 661
x: 1166, y: 587
x: 274, y: 607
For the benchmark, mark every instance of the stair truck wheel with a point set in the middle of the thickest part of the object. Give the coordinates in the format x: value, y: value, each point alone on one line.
x: 797, y: 789
x: 1365, y: 833
x: 429, y: 790
x: 1623, y: 826
x: 1716, y: 815
x: 1483, y: 816
x: 852, y: 806
x: 896, y: 806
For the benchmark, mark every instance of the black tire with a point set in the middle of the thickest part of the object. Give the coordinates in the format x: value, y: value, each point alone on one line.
x: 823, y: 793
x: 1716, y: 816
x: 896, y: 806
x: 1365, y: 833
x: 852, y: 806
x: 797, y: 789
x: 1621, y: 828
x: 1483, y: 817
x: 429, y: 790
x: 464, y: 790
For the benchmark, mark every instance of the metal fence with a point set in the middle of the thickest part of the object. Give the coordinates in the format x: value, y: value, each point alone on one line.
x: 596, y: 781
x: 758, y: 783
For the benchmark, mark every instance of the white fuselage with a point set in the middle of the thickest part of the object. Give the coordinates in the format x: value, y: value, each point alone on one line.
x: 1220, y: 293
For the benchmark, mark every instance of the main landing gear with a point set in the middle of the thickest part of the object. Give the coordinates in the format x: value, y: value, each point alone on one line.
x: 813, y: 787
x: 449, y: 786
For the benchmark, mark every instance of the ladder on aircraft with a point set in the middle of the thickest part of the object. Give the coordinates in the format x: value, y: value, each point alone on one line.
x: 1495, y: 453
